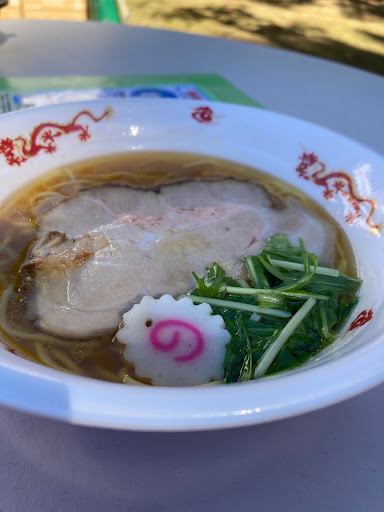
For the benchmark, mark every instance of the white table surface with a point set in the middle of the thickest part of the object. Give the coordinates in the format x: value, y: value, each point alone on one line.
x: 324, y: 461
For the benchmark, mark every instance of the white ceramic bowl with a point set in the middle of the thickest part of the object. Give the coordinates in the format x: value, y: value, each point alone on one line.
x: 342, y: 176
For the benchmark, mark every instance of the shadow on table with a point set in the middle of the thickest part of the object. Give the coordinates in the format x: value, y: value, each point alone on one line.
x: 299, y: 37
x: 4, y: 37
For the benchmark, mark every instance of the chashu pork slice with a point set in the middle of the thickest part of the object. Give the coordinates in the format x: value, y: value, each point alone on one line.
x: 140, y: 243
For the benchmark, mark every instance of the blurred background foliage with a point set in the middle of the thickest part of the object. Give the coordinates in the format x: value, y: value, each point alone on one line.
x: 348, y: 31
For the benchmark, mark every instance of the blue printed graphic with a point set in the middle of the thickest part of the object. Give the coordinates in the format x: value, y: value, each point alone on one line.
x: 147, y: 92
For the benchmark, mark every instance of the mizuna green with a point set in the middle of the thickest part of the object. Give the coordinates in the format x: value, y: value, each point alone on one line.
x: 287, y: 310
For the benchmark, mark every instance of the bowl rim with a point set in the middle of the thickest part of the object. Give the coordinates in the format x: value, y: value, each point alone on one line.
x: 77, y: 399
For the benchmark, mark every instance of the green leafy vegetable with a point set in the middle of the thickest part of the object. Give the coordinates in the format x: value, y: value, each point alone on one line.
x: 288, y: 310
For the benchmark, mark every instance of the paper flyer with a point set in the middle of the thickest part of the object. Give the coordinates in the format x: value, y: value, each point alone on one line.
x: 26, y: 92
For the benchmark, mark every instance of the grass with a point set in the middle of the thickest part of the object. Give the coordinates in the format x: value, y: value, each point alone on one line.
x: 348, y: 31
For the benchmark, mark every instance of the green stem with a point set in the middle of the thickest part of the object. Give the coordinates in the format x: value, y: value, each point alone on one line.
x: 323, y: 316
x: 243, y: 283
x: 299, y: 266
x: 269, y: 355
x: 251, y: 270
x: 294, y: 284
x: 239, y: 306
x: 235, y: 290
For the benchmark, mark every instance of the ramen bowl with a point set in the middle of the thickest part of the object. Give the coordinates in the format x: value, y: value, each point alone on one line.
x: 336, y: 174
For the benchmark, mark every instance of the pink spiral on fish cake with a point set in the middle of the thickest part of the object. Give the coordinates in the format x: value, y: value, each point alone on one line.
x: 180, y: 327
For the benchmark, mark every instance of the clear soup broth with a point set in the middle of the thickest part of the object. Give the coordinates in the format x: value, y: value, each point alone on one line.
x: 100, y: 355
